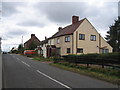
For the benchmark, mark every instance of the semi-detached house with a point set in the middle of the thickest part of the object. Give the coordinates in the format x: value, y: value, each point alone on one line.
x: 78, y: 38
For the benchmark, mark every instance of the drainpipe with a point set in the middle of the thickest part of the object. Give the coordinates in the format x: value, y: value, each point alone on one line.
x: 76, y: 40
x: 72, y: 45
x: 99, y: 42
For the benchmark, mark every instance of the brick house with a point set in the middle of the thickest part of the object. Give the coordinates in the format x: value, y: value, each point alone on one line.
x: 33, y: 39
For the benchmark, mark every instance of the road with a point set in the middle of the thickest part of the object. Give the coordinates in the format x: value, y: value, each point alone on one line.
x: 23, y: 72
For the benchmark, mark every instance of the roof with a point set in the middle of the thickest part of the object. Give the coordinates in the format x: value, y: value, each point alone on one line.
x: 68, y: 29
x: 44, y: 41
x: 32, y: 40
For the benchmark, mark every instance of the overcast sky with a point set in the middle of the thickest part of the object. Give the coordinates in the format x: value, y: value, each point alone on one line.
x: 43, y: 18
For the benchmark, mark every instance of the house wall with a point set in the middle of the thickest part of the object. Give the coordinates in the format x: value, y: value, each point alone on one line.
x: 32, y: 39
x: 44, y: 50
x: 88, y: 45
x: 104, y: 43
x: 64, y: 45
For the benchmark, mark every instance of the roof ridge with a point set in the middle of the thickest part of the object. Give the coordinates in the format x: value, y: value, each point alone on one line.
x: 69, y: 29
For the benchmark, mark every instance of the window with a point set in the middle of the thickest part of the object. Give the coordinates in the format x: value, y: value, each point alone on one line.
x: 79, y: 50
x: 58, y: 40
x: 68, y: 50
x: 93, y: 37
x: 67, y: 39
x: 105, y: 51
x: 81, y: 36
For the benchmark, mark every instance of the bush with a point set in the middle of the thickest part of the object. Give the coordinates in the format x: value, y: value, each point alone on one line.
x: 109, y: 58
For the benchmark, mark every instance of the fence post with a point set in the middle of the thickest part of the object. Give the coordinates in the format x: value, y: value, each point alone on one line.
x: 102, y: 63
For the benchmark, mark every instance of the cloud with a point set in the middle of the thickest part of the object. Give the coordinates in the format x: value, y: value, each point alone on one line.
x: 15, y: 33
x: 10, y: 8
x: 61, y: 12
x: 31, y: 23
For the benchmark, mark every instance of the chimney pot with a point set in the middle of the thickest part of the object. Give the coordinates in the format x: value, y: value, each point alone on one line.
x: 75, y: 19
x: 32, y: 35
x: 45, y: 37
x: 60, y: 28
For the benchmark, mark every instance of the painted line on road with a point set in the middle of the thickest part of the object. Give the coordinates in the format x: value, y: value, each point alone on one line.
x: 17, y: 58
x: 54, y: 80
x: 25, y: 64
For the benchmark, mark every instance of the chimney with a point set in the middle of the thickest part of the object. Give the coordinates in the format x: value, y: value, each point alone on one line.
x: 45, y: 37
x: 32, y: 35
x: 60, y: 28
x: 75, y: 19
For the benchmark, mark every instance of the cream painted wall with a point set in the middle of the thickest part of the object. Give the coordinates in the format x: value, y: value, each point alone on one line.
x: 104, y: 43
x: 64, y: 45
x: 88, y: 45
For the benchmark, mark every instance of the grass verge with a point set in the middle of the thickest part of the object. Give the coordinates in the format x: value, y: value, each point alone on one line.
x: 109, y: 75
x: 43, y: 59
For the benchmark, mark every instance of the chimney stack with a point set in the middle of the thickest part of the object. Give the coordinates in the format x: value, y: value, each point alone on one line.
x: 75, y: 19
x: 60, y: 28
x: 45, y: 37
x: 32, y: 35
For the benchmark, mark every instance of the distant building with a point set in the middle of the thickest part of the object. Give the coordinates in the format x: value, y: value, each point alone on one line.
x: 33, y: 39
x: 78, y: 38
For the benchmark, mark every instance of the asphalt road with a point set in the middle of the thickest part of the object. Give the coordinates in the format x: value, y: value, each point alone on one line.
x: 22, y: 72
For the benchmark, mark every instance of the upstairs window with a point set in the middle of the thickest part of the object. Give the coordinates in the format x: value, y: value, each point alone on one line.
x: 58, y: 40
x: 93, y: 37
x: 79, y: 50
x: 68, y: 50
x: 81, y: 36
x: 67, y: 39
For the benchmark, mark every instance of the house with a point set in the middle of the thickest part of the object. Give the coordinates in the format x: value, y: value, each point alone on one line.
x: 78, y: 38
x: 33, y: 39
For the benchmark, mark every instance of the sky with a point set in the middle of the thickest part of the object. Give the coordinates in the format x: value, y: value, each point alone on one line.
x: 25, y: 17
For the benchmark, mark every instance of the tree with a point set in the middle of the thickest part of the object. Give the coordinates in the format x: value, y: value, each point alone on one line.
x: 113, y: 37
x: 32, y: 46
x: 20, y: 48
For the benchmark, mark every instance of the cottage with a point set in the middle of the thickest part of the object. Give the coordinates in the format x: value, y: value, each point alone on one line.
x: 33, y: 39
x: 78, y: 38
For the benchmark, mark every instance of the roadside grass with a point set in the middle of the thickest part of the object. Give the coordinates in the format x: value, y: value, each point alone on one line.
x: 106, y: 74
x: 109, y: 75
x: 43, y: 59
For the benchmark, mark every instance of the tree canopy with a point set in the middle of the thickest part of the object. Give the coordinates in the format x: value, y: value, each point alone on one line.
x: 113, y: 35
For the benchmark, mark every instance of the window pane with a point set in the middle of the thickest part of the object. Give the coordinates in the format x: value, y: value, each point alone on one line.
x: 93, y: 37
x: 58, y: 40
x: 67, y: 39
x: 79, y: 50
x: 68, y: 50
x: 81, y: 36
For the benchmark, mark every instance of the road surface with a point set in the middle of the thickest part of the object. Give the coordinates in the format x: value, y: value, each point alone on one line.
x: 23, y: 72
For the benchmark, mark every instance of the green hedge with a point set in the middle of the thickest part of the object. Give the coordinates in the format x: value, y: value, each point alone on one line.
x: 101, y: 59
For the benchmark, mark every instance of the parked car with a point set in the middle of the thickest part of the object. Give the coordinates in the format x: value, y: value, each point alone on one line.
x: 5, y: 52
x: 29, y: 52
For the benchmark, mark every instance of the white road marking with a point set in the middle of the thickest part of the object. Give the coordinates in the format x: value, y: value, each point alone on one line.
x: 26, y: 64
x: 17, y: 58
x: 54, y: 80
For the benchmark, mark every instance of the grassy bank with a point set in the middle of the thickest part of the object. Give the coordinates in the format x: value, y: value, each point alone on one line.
x: 43, y: 59
x: 105, y: 74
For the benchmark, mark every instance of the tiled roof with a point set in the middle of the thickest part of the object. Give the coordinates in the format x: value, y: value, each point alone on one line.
x: 68, y: 29
x: 31, y: 39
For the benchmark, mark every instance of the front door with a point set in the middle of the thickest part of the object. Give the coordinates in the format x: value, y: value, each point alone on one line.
x: 58, y: 51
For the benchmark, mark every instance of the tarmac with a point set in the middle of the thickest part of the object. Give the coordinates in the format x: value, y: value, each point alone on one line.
x: 0, y: 71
